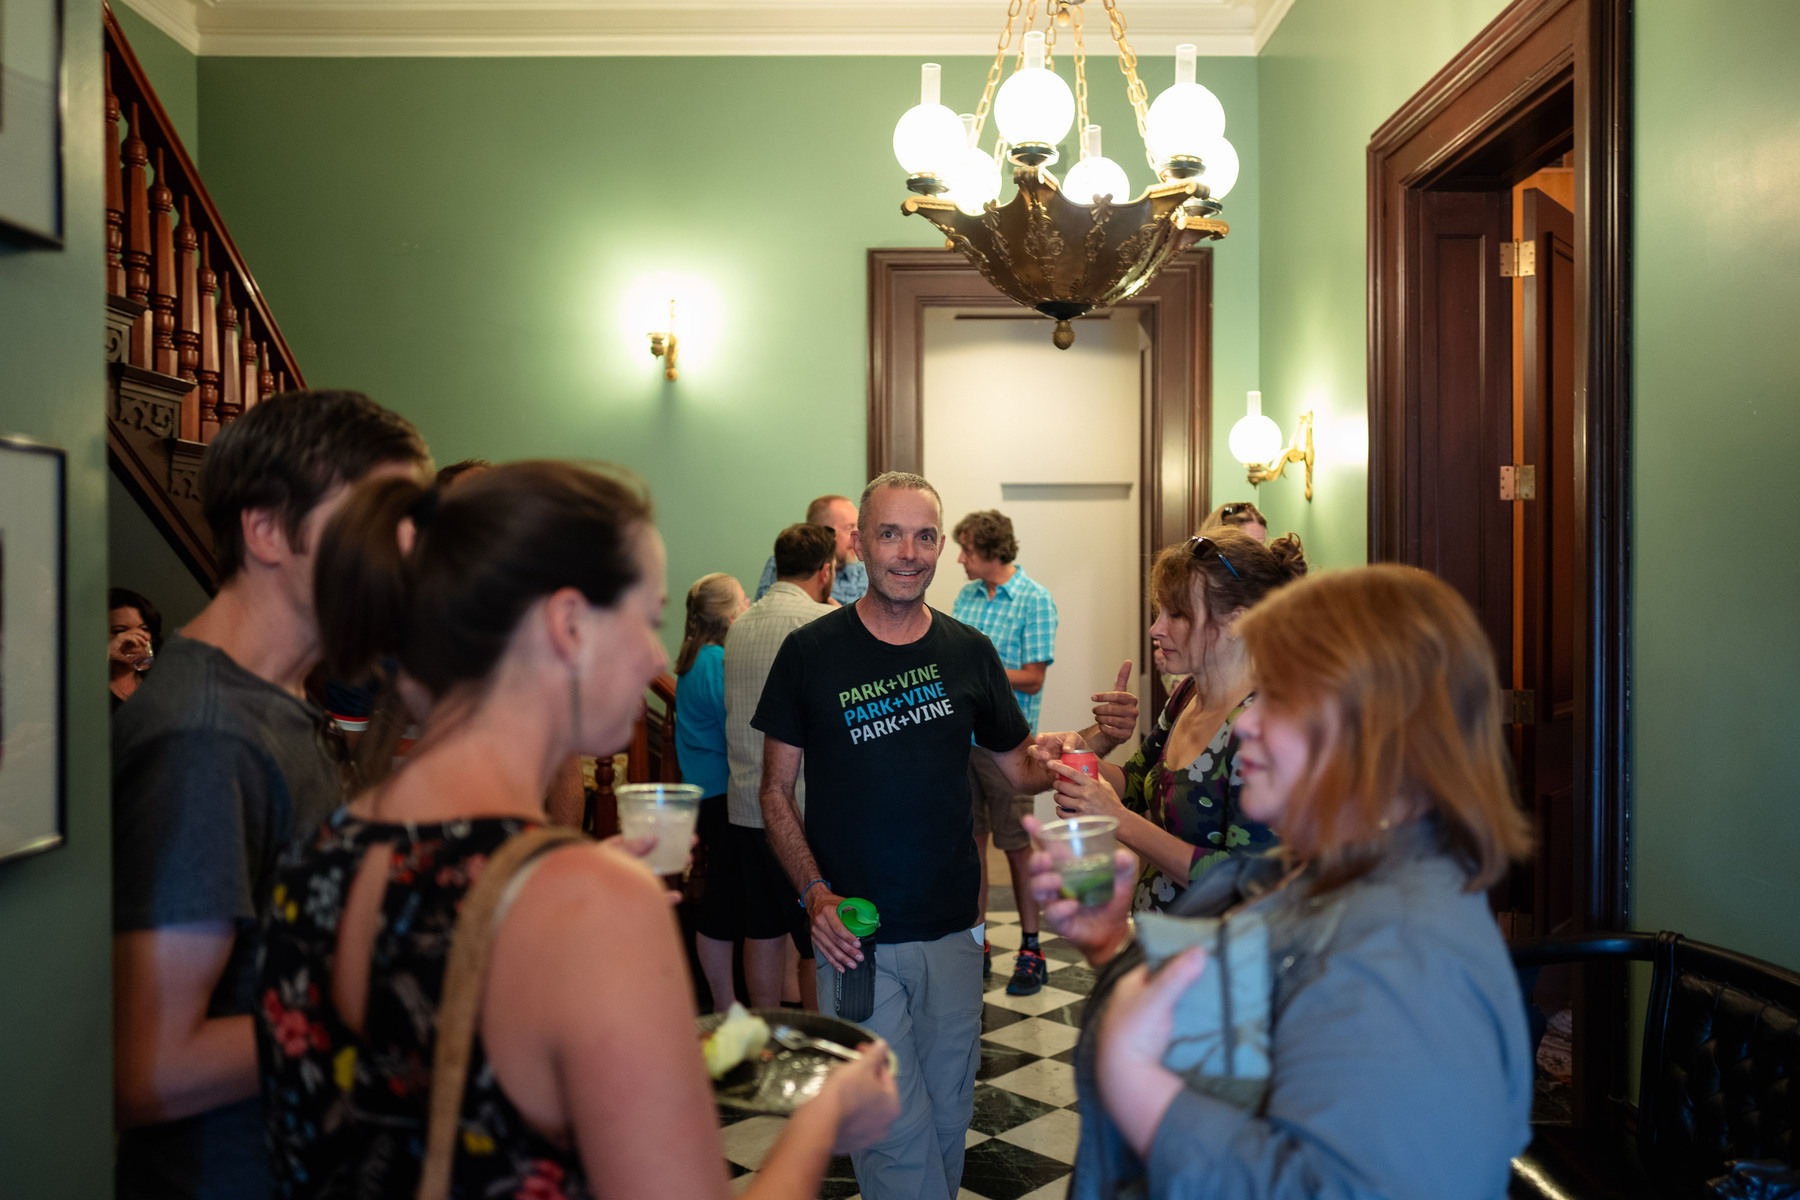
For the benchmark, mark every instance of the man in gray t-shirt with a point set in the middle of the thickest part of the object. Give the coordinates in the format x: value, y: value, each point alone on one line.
x: 219, y: 761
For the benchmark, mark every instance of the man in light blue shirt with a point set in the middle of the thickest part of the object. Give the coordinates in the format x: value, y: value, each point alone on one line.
x: 1019, y: 617
x: 838, y: 514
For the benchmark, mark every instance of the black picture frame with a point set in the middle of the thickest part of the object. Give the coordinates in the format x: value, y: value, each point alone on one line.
x: 33, y: 95
x: 33, y: 641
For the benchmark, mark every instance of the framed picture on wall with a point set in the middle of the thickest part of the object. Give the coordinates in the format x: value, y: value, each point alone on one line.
x: 31, y: 646
x: 31, y: 110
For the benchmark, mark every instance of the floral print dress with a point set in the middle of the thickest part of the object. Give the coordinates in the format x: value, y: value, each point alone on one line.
x: 1197, y: 803
x: 346, y: 1114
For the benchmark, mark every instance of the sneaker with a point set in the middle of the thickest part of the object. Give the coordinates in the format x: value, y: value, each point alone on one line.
x: 1029, y: 972
x: 987, y: 961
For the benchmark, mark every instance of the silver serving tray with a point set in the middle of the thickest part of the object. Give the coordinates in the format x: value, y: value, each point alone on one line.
x: 779, y: 1080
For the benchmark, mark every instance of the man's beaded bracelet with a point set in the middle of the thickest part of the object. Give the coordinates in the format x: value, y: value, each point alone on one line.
x: 809, y: 887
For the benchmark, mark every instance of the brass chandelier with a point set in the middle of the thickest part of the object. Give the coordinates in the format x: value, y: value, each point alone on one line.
x: 1065, y: 248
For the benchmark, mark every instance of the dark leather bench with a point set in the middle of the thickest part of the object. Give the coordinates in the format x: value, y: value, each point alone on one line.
x: 1720, y: 1075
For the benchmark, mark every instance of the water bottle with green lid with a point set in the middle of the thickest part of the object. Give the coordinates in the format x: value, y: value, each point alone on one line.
x: 855, y: 988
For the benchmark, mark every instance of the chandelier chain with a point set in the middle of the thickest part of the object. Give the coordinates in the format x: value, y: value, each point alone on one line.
x: 1134, y: 87
x: 1081, y: 96
x: 993, y: 76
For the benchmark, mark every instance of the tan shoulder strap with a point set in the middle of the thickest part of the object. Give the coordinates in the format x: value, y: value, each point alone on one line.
x: 461, y: 998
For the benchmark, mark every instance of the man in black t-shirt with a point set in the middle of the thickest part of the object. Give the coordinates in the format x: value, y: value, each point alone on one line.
x: 883, y: 697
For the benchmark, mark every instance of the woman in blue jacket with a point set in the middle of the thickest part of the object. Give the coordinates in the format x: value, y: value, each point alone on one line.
x: 1397, y: 1059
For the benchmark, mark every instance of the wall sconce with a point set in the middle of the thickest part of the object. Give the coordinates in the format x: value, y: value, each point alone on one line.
x: 662, y: 345
x: 1256, y: 442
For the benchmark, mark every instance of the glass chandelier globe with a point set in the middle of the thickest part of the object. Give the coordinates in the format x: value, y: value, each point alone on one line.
x: 974, y: 178
x: 1095, y: 175
x: 1185, y: 117
x: 1221, y: 174
x: 1255, y: 438
x: 1034, y: 107
x: 929, y: 137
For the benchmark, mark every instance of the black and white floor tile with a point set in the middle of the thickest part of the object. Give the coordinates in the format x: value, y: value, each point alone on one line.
x: 1022, y: 1137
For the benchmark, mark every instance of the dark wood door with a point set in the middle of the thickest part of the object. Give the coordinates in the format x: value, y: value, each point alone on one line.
x: 1462, y: 404
x: 1545, y: 743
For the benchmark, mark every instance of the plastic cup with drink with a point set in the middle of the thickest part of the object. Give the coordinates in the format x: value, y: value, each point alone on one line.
x: 1081, y: 850
x: 664, y: 811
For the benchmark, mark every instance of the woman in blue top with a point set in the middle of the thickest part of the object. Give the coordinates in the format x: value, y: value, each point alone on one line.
x: 713, y: 603
x: 1176, y: 801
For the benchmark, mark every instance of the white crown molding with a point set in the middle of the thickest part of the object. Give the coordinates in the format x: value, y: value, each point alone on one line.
x: 1272, y: 11
x: 177, y: 18
x: 526, y: 28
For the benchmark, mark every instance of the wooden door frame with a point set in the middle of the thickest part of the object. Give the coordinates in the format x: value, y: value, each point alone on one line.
x: 1494, y: 107
x: 1176, y: 312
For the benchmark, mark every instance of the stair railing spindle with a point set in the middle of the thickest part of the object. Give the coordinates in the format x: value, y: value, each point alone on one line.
x: 209, y: 344
x: 137, y: 234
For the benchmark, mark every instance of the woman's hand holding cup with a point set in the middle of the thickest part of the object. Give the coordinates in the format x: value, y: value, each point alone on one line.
x: 1096, y: 932
x: 1079, y: 794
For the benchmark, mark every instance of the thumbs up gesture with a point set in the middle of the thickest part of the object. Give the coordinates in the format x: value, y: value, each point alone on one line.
x: 1116, y: 712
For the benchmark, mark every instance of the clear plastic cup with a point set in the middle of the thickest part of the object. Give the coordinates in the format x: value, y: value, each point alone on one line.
x: 665, y: 811
x: 1081, y: 850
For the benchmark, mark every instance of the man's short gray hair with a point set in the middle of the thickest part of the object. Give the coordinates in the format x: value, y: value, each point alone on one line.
x: 896, y: 479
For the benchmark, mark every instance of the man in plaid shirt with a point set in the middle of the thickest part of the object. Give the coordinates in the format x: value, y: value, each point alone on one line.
x: 1019, y: 617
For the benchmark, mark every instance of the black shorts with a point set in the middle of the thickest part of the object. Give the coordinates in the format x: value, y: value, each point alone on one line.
x: 748, y: 894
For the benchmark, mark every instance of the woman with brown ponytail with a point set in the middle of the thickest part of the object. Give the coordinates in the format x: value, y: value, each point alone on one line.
x: 523, y: 608
x: 1176, y: 801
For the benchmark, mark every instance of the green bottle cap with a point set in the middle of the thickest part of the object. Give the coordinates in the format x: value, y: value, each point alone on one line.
x: 859, y: 916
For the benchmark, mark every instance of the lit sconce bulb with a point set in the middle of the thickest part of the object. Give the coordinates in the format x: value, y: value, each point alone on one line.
x: 663, y: 343
x: 1184, y: 119
x: 1034, y: 108
x: 1255, y: 438
x: 975, y: 178
x: 1095, y: 175
x: 929, y: 139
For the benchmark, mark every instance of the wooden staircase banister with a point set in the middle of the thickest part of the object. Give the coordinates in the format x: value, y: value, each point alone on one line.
x: 190, y: 336
x: 189, y: 175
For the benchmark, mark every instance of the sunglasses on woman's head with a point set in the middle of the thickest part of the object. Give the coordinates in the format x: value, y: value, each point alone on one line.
x: 1232, y: 510
x: 1202, y: 547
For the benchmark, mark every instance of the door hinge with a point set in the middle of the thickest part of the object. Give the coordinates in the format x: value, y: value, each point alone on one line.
x: 1518, y: 706
x: 1518, y: 258
x: 1518, y: 483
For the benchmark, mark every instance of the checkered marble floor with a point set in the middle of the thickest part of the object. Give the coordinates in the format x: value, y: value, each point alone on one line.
x: 1023, y: 1134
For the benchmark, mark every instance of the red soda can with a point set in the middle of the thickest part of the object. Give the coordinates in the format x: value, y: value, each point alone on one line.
x: 1085, y: 761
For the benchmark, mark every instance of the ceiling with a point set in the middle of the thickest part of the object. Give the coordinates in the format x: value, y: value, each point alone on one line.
x: 462, y: 28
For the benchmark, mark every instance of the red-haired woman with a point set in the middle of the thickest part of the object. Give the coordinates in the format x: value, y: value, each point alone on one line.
x: 1399, y: 1062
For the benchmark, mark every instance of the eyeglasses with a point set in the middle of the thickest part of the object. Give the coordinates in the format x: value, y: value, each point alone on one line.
x: 1201, y: 547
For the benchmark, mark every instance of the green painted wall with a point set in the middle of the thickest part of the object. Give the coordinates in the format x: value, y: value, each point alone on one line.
x: 1717, y: 777
x: 173, y: 72
x: 55, y: 908
x: 1329, y: 77
x: 457, y: 238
